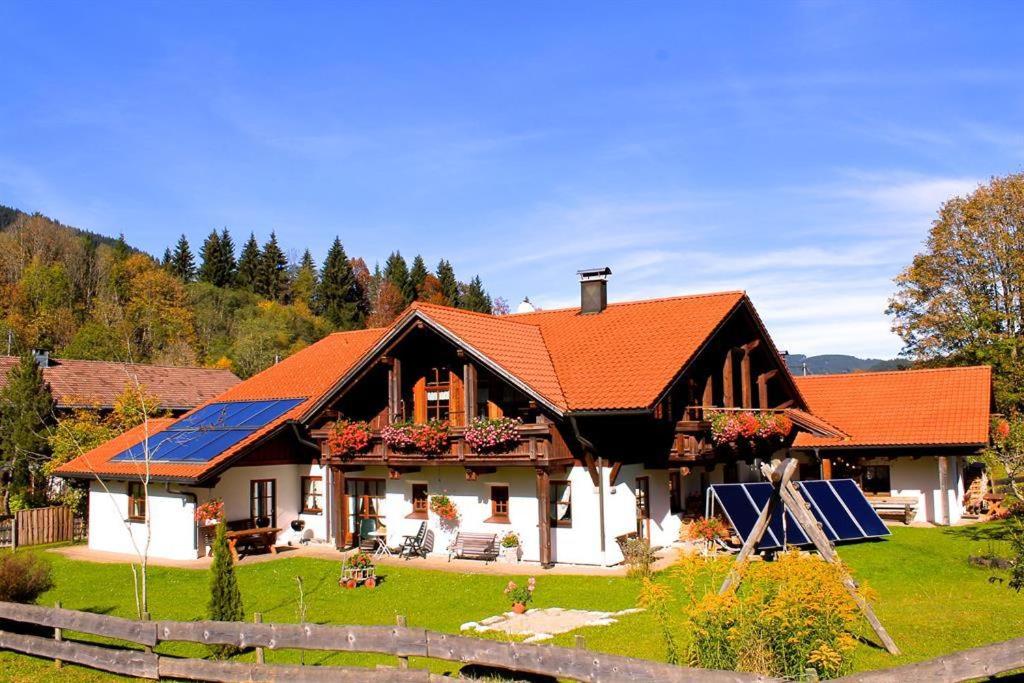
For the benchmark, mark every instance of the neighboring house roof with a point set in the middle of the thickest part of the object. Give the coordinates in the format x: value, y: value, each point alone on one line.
x: 936, y: 407
x: 98, y: 384
x: 307, y: 374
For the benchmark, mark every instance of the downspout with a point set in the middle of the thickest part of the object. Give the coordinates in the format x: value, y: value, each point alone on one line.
x: 195, y: 504
x: 303, y: 440
x: 587, y: 444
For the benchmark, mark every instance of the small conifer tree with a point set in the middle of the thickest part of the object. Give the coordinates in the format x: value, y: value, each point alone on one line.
x: 225, y: 598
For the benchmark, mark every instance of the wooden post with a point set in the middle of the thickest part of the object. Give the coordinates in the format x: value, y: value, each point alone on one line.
x: 943, y: 490
x: 728, y: 386
x: 708, y: 398
x: 395, y: 391
x: 58, y: 635
x: 148, y: 649
x: 338, y: 516
x: 403, y: 662
x: 826, y: 468
x: 469, y: 387
x: 544, y: 515
x: 762, y: 388
x: 257, y: 618
x: 746, y: 385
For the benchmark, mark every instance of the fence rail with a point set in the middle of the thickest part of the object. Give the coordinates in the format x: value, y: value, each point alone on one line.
x: 400, y: 641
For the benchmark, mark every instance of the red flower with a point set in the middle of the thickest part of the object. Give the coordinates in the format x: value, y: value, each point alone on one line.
x: 349, y: 438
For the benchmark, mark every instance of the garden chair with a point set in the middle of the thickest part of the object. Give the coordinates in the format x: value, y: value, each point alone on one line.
x: 412, y: 544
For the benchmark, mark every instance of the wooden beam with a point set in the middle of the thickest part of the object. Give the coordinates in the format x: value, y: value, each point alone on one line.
x: 944, y: 490
x: 588, y: 458
x: 472, y: 473
x: 826, y: 468
x: 709, y: 392
x: 469, y: 387
x: 785, y: 404
x: 338, y: 512
x: 395, y: 391
x: 762, y: 388
x: 750, y: 345
x: 614, y: 473
x: 745, y: 382
x: 544, y: 515
x: 728, y: 388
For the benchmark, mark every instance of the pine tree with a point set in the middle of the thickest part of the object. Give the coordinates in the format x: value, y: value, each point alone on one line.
x: 183, y: 264
x: 166, y: 261
x: 340, y: 297
x: 225, y: 598
x: 417, y: 275
x: 272, y: 279
x: 121, y: 248
x: 209, y: 269
x: 227, y: 258
x: 396, y: 271
x: 449, y: 285
x: 26, y: 411
x: 249, y: 264
x: 306, y: 281
x: 474, y: 298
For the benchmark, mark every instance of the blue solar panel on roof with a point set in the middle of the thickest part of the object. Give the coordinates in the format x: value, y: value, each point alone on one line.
x: 209, y: 431
x: 838, y: 505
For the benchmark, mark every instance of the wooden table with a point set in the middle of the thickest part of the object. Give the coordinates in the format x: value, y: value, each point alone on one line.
x: 261, y: 538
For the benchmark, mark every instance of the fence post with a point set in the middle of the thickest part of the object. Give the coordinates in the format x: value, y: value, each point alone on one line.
x: 403, y: 662
x: 58, y: 635
x: 257, y: 618
x: 581, y: 642
x: 146, y: 648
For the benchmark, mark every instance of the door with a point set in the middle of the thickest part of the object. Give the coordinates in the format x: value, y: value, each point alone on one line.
x: 643, y: 507
x: 364, y: 505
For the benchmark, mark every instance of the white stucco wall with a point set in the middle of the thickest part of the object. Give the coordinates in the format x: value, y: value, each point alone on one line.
x: 171, y: 522
x: 919, y: 478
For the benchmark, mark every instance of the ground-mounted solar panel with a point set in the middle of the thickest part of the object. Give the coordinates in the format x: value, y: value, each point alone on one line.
x: 838, y: 505
x: 209, y: 431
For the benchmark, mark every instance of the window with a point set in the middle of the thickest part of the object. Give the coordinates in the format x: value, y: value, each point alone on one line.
x: 438, y: 393
x: 675, y: 493
x: 136, y: 502
x: 420, y: 501
x: 560, y: 505
x: 263, y: 502
x: 312, y: 495
x: 875, y: 479
x: 499, y: 504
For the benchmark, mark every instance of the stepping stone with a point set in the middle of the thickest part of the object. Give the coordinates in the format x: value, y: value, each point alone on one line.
x: 491, y: 620
x: 469, y: 625
x: 624, y: 612
x: 536, y: 638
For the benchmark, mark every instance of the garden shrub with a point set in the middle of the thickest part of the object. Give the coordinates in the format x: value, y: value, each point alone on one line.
x: 786, y: 616
x: 639, y: 556
x: 24, y: 577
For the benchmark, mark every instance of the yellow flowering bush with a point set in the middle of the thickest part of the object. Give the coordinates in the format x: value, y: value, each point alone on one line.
x: 786, y: 616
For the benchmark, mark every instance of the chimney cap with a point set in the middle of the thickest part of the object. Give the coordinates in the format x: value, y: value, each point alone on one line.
x: 594, y: 273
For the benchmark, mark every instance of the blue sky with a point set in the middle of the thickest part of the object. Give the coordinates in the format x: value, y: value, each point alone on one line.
x: 795, y: 150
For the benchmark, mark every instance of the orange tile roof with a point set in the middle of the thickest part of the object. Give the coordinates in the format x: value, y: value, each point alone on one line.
x: 625, y: 356
x: 936, y: 407
x: 307, y: 374
x: 93, y: 383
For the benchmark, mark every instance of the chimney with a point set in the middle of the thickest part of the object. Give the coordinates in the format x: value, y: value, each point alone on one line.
x: 42, y: 358
x: 593, y: 289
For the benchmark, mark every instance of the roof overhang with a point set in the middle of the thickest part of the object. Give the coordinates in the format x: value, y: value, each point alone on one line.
x: 397, y: 331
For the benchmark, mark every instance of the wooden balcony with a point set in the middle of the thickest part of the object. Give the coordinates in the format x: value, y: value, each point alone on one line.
x: 539, y: 444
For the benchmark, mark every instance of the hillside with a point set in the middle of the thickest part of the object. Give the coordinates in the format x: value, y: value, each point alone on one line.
x: 838, y: 364
x: 10, y: 216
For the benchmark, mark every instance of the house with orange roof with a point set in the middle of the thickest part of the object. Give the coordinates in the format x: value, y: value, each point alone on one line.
x: 572, y: 428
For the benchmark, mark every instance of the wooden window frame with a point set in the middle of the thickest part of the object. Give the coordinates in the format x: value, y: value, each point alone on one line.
x: 273, y: 499
x: 420, y: 507
x: 438, y: 380
x: 553, y: 502
x: 136, y: 503
x: 675, y: 493
x: 498, y: 517
x: 304, y: 482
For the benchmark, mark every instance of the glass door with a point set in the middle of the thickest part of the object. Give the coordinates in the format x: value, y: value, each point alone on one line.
x: 643, y: 507
x: 364, y: 507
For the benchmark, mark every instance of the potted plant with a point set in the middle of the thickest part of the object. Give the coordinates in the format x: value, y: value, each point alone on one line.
x: 443, y: 506
x: 520, y: 595
x: 493, y: 435
x: 431, y: 437
x: 349, y: 437
x: 510, y: 545
x: 358, y: 569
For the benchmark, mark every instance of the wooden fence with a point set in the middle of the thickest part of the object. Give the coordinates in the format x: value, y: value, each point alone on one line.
x: 400, y: 641
x: 38, y: 526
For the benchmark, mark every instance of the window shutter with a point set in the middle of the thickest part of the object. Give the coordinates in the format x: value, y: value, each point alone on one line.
x: 494, y: 411
x: 456, y: 402
x: 419, y: 401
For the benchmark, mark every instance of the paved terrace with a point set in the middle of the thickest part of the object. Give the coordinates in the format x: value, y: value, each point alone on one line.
x: 666, y: 557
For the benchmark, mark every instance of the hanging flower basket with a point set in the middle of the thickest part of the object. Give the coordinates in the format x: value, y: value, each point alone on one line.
x: 736, y: 428
x: 398, y: 436
x: 486, y: 435
x: 210, y: 512
x: 349, y: 437
x: 443, y: 507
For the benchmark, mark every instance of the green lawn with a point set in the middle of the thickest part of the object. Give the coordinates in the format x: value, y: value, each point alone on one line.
x: 929, y: 598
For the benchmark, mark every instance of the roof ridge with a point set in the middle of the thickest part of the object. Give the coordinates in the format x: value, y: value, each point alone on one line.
x: 634, y: 302
x: 122, y: 363
x: 876, y: 373
x: 416, y: 305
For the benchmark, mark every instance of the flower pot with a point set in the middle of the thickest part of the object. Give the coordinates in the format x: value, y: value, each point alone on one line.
x: 518, y: 608
x: 509, y: 555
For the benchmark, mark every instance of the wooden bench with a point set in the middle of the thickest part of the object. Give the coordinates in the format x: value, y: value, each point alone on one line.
x: 902, y: 509
x: 475, y: 546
